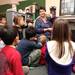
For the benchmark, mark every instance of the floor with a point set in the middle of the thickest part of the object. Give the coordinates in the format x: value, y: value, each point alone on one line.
x: 39, y: 71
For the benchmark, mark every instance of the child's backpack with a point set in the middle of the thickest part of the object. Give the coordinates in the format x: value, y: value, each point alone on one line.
x: 4, y: 65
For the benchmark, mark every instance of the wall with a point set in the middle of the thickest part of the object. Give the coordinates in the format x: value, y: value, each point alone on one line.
x: 26, y: 3
x: 22, y: 5
x: 50, y: 3
x: 3, y: 8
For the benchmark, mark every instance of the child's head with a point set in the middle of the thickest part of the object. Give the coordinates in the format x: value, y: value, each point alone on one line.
x: 3, y: 21
x: 19, y: 20
x: 30, y: 32
x: 42, y: 39
x: 61, y: 31
x: 52, y: 9
x: 9, y: 35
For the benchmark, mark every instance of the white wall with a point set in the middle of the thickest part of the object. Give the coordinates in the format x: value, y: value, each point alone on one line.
x: 50, y: 3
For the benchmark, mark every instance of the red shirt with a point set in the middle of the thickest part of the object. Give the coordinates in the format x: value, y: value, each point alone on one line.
x: 42, y: 58
x: 14, y: 59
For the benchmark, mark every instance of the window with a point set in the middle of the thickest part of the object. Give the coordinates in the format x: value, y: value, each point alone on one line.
x: 67, y: 7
